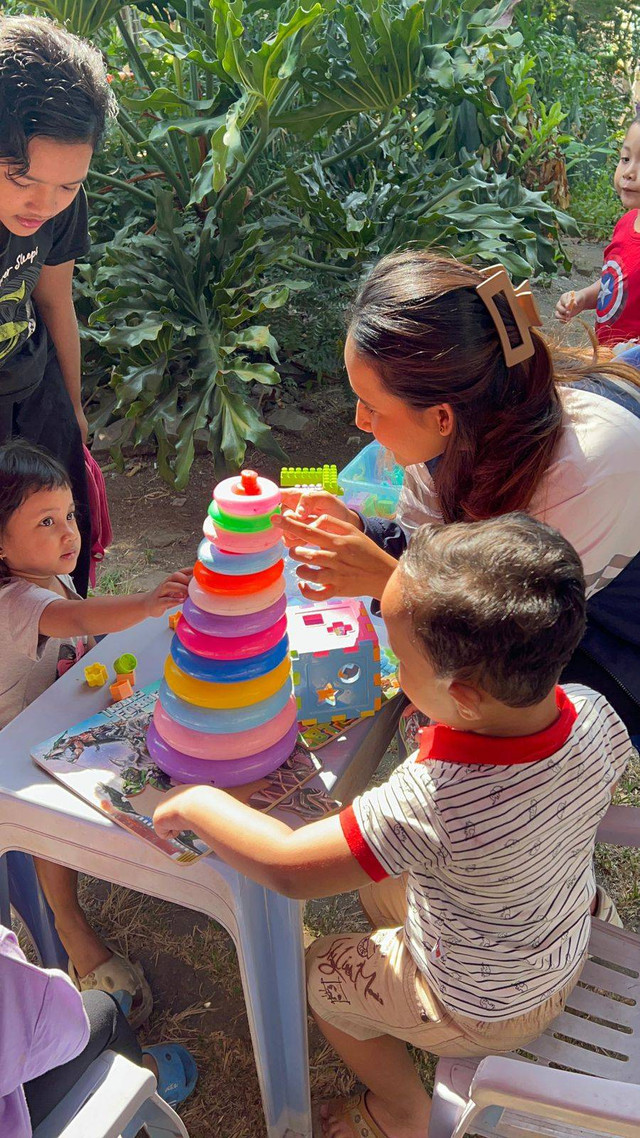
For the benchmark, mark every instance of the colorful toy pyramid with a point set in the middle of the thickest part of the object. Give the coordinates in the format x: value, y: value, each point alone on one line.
x: 226, y: 713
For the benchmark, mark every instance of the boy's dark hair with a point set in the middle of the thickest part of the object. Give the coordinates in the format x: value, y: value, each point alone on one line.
x: 52, y: 85
x: 500, y: 603
x: 25, y: 469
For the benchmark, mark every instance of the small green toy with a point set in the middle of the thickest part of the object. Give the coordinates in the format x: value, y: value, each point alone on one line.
x: 319, y: 477
x: 125, y: 664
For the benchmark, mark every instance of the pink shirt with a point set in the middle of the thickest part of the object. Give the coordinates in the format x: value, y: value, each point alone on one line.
x: 42, y: 1025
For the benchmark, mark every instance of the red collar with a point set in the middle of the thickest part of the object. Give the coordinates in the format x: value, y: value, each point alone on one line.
x: 450, y: 746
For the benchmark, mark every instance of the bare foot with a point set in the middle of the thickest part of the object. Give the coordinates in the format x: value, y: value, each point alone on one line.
x: 84, y: 947
x: 336, y: 1124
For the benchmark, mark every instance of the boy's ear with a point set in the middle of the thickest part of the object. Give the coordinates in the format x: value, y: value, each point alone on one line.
x: 467, y: 699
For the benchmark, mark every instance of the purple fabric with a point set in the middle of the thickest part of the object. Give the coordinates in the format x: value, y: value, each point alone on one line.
x: 42, y: 1025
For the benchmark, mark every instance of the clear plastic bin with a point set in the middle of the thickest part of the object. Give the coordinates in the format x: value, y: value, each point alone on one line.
x: 372, y: 482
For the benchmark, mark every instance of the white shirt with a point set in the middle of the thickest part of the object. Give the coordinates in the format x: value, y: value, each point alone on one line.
x: 497, y: 836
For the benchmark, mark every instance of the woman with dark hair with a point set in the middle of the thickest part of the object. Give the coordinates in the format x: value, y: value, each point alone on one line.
x: 451, y: 374
x: 54, y: 104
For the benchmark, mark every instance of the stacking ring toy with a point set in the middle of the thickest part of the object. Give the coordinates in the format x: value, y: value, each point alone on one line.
x: 240, y: 525
x: 234, y: 627
x: 221, y: 695
x: 230, y: 542
x: 236, y: 586
x: 235, y: 606
x: 230, y: 647
x: 235, y: 772
x: 214, y: 748
x: 223, y: 722
x: 228, y: 671
x: 247, y: 495
x: 233, y: 565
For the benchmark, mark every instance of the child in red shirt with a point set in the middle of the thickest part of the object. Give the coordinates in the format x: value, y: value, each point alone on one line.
x: 616, y: 296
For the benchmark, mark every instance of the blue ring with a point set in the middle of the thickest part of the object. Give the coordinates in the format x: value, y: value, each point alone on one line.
x: 228, y: 671
x: 238, y: 564
x: 227, y: 721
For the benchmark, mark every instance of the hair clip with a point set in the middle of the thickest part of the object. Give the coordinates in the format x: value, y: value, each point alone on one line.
x: 523, y: 309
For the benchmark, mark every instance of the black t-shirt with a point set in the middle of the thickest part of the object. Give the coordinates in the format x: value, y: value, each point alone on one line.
x: 23, y: 336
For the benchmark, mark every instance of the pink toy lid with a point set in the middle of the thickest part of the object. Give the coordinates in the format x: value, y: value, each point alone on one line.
x: 247, y: 495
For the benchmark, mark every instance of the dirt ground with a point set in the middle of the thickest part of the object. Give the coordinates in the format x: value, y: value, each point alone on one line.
x: 191, y: 962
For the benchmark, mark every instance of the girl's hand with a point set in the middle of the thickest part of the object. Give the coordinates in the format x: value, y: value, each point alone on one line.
x: 81, y: 419
x: 309, y: 505
x: 345, y: 564
x: 171, y: 591
x: 570, y: 304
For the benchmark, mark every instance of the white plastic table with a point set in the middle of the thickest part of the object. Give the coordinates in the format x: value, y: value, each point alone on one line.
x: 40, y: 816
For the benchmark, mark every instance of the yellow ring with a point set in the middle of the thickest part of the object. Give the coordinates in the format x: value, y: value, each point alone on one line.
x: 221, y: 696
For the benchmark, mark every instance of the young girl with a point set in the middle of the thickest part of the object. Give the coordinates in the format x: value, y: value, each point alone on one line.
x: 54, y: 103
x: 465, y: 393
x: 616, y: 296
x: 42, y: 618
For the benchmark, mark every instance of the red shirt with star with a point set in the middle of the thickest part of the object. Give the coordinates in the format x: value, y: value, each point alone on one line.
x: 618, y: 307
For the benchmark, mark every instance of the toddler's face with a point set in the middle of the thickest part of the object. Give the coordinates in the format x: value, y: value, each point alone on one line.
x: 41, y: 538
x: 627, y: 176
x: 430, y: 693
x: 56, y: 172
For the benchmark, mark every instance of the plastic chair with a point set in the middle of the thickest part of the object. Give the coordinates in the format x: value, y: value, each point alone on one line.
x: 114, y: 1097
x: 549, y: 1088
x: 20, y: 891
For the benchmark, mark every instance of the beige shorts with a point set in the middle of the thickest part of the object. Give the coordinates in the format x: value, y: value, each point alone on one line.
x: 368, y: 985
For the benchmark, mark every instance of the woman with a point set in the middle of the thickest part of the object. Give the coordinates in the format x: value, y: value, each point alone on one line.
x: 452, y: 376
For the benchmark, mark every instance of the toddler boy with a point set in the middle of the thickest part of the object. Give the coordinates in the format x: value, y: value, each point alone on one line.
x: 475, y: 858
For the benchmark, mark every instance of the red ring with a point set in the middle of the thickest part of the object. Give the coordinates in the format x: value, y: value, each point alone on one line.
x: 236, y: 585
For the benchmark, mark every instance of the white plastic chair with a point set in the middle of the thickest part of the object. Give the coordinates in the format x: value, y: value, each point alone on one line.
x: 114, y: 1097
x: 581, y: 1078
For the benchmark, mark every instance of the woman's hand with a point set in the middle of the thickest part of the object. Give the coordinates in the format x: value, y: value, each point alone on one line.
x: 345, y: 562
x: 81, y: 419
x: 171, y: 591
x: 309, y: 505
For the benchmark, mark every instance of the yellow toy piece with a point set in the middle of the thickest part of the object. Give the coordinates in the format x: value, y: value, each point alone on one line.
x: 174, y: 617
x: 202, y: 693
x: 121, y: 689
x: 96, y: 675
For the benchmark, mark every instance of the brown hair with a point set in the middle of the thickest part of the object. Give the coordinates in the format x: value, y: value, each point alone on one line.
x: 421, y: 325
x: 500, y: 603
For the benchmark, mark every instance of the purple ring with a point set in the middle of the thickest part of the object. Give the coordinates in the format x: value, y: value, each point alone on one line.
x: 232, y: 772
x: 214, y: 625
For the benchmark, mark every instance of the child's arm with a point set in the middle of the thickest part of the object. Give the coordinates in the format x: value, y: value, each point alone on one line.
x: 573, y: 303
x: 314, y: 861
x: 98, y: 615
x: 54, y: 298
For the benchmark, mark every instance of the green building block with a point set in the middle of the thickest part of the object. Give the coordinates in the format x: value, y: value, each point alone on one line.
x: 319, y: 477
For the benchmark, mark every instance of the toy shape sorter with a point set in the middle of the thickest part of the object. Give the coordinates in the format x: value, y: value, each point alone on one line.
x: 226, y: 713
x: 336, y: 661
x: 311, y: 478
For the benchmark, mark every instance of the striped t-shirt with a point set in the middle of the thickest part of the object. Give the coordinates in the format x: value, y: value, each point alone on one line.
x: 497, y: 836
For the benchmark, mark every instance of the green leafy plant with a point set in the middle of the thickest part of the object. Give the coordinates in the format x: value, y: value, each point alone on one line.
x: 263, y: 148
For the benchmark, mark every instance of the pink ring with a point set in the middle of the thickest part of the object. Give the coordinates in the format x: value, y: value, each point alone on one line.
x: 200, y: 745
x: 230, y: 647
x: 222, y: 605
x: 247, y: 505
x: 232, y: 542
x: 235, y: 772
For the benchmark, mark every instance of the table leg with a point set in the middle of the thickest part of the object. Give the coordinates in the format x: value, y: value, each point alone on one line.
x: 271, y: 955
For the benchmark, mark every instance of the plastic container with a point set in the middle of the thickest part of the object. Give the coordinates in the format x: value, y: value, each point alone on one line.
x: 372, y: 482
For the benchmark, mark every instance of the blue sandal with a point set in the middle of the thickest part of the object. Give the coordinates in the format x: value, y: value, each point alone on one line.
x: 177, y: 1071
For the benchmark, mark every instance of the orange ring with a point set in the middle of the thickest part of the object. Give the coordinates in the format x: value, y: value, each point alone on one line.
x: 236, y: 585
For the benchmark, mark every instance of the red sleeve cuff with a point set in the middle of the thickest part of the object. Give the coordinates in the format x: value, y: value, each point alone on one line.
x: 358, y: 846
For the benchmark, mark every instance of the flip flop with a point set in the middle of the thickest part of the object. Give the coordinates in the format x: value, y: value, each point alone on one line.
x: 177, y: 1071
x: 356, y: 1114
x: 124, y: 980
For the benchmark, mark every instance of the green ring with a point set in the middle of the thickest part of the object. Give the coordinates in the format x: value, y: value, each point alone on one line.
x: 125, y: 664
x: 241, y: 525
